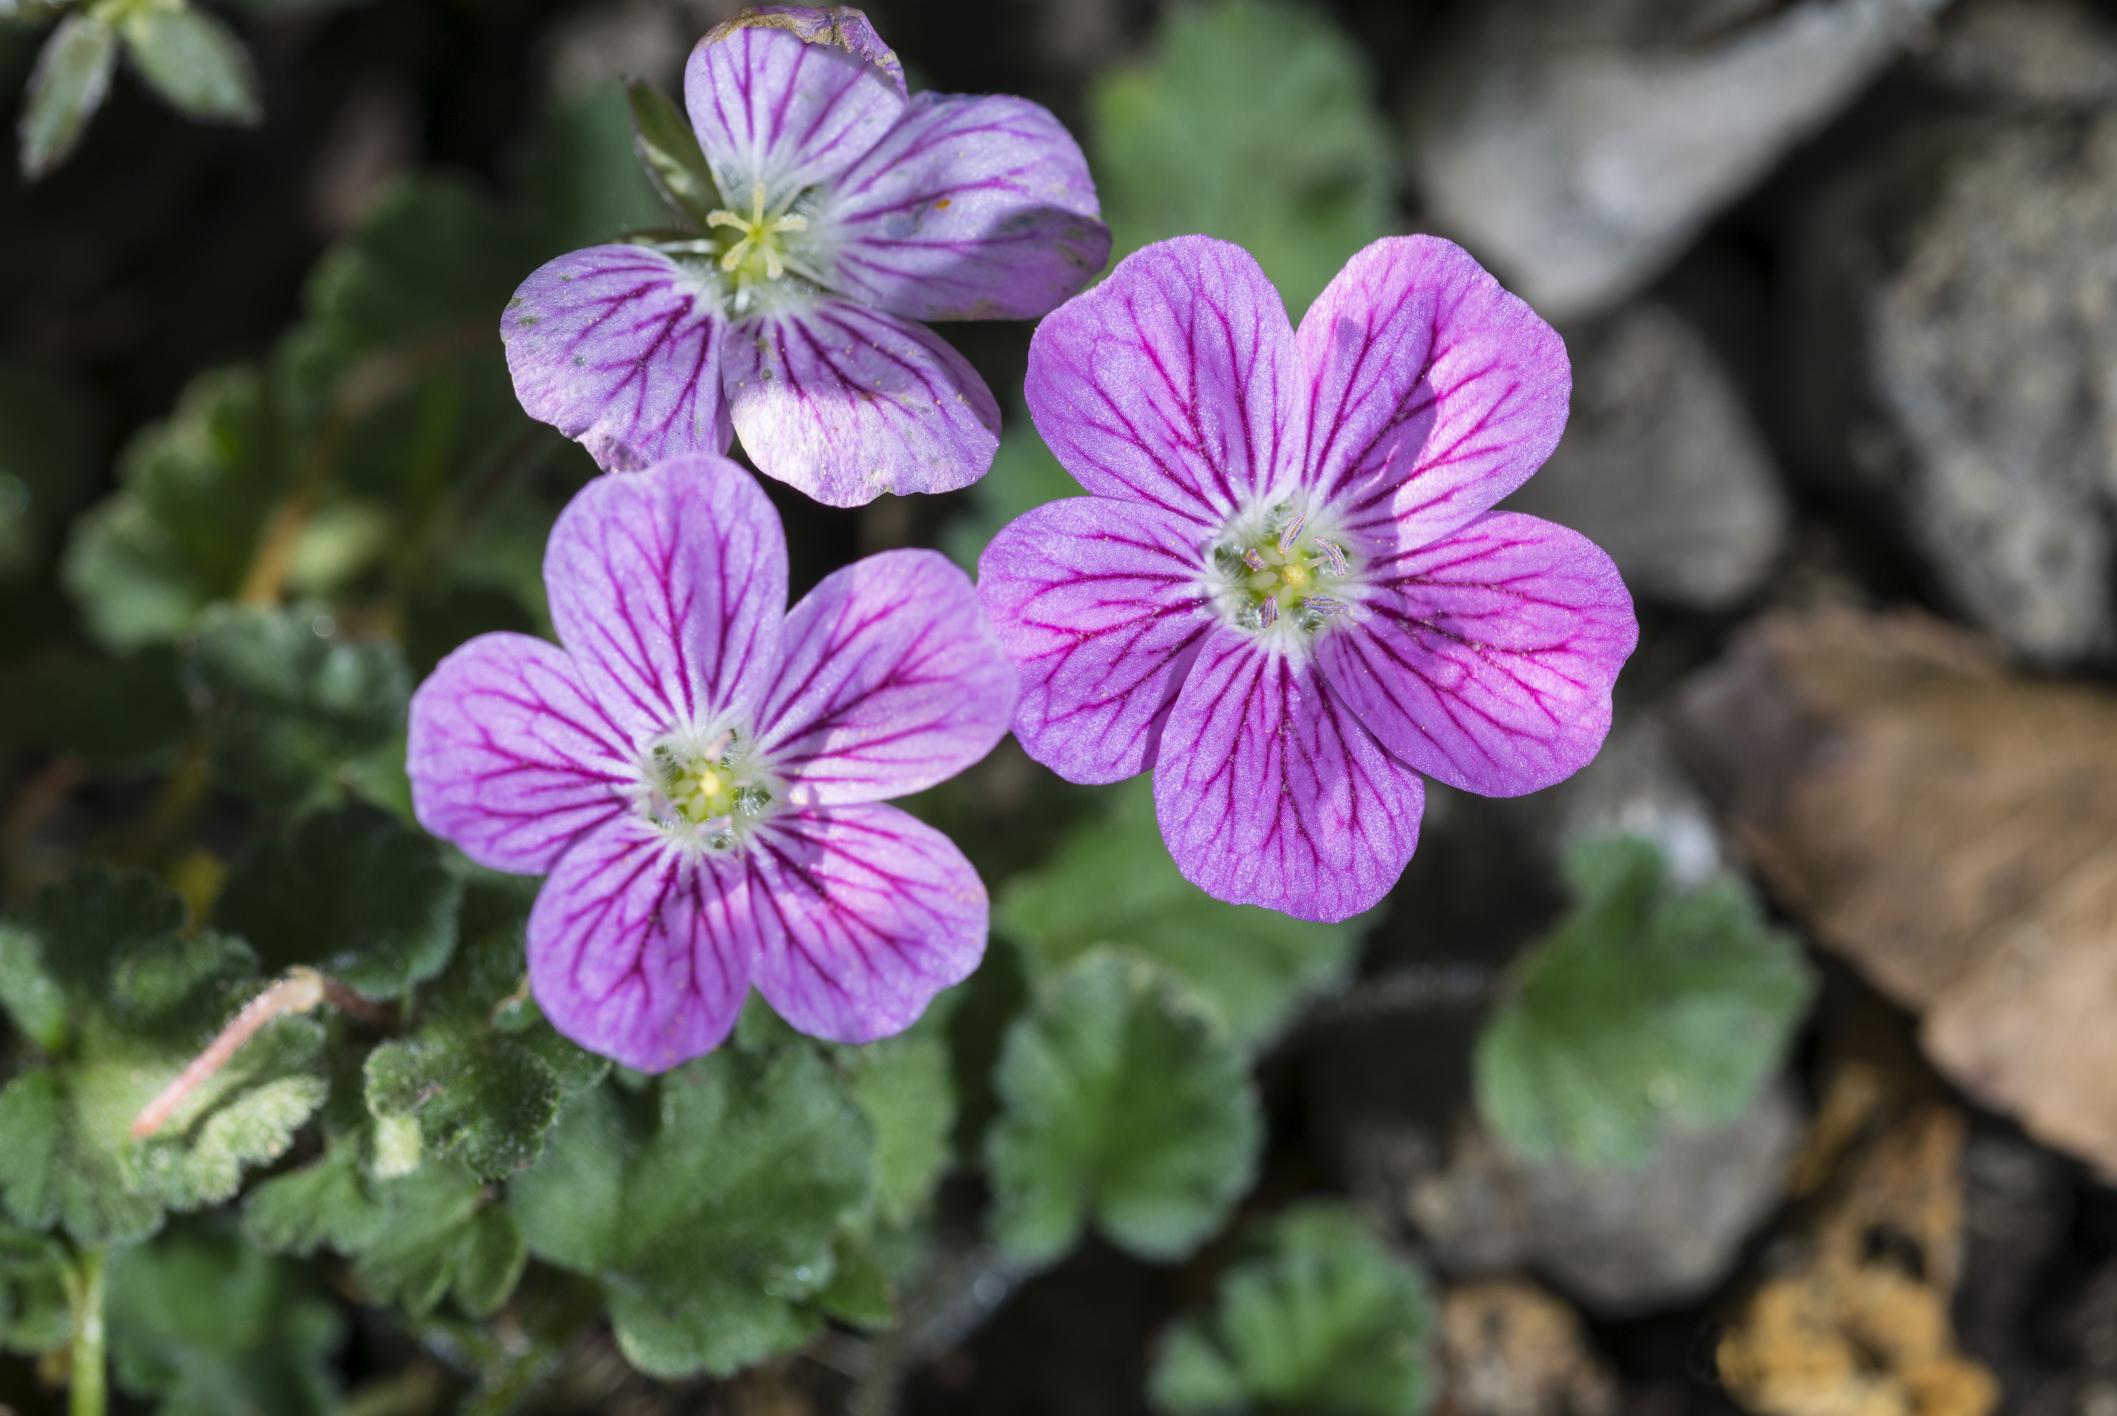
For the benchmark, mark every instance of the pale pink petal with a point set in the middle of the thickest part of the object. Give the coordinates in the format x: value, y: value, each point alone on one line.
x: 893, y: 680
x: 1100, y: 605
x: 1431, y: 391
x: 864, y: 913
x: 1279, y: 797
x: 668, y: 587
x: 1175, y: 383
x: 846, y: 403
x: 508, y: 757
x: 839, y: 25
x: 970, y: 208
x: 619, y: 348
x: 1486, y: 659
x: 639, y: 951
x: 773, y: 109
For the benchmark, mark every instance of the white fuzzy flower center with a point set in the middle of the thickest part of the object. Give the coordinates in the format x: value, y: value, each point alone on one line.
x: 1282, y: 573
x: 707, y: 788
x: 763, y: 245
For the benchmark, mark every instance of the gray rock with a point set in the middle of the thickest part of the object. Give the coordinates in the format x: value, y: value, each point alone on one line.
x: 1956, y: 361
x: 1579, y: 144
x: 1621, y: 1243
x: 1636, y: 787
x: 2040, y: 52
x: 1661, y: 465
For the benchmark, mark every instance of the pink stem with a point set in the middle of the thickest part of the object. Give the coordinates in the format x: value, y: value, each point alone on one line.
x: 299, y: 992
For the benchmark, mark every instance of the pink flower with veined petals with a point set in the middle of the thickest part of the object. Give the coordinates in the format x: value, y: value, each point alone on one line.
x: 850, y: 213
x: 1287, y: 594
x: 700, y: 770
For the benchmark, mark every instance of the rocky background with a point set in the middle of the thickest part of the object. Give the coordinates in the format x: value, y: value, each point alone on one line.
x: 1839, y: 279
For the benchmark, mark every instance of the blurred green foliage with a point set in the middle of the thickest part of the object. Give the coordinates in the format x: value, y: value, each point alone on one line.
x: 1649, y: 1008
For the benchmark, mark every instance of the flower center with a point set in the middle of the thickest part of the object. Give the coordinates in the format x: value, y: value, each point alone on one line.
x: 756, y: 252
x: 707, y: 789
x: 1278, y: 573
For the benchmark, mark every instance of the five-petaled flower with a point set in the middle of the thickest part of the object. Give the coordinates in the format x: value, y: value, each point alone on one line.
x: 700, y: 771
x: 1287, y: 593
x: 849, y: 209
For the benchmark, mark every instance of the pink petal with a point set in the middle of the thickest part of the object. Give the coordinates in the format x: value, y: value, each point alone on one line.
x: 668, y: 587
x: 771, y: 107
x: 893, y: 680
x: 841, y: 25
x: 1486, y: 659
x: 1099, y: 603
x: 1175, y: 382
x: 864, y: 913
x: 1432, y: 392
x: 846, y: 403
x: 968, y: 209
x: 619, y: 347
x: 638, y: 951
x: 508, y: 757
x: 1279, y: 797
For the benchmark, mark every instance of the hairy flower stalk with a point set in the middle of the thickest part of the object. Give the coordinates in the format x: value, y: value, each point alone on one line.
x: 700, y: 771
x: 301, y: 991
x: 851, y: 213
x: 1287, y: 594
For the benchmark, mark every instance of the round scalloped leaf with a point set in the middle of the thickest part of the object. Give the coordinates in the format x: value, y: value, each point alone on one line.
x: 1123, y: 1103
x: 352, y: 892
x: 1321, y: 1317
x: 1646, y: 1010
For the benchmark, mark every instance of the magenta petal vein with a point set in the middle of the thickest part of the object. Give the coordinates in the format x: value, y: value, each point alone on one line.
x: 852, y: 213
x: 702, y: 772
x: 1287, y: 593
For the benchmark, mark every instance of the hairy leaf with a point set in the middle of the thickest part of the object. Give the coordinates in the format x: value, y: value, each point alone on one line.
x: 668, y: 150
x: 352, y: 892
x: 118, y: 1002
x: 1321, y: 1317
x: 1124, y: 1103
x: 706, y: 1205
x: 1646, y: 1010
x: 285, y: 701
x: 905, y: 1086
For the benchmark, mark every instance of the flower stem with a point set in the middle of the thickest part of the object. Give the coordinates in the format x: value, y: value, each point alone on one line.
x: 87, y: 1395
x: 299, y: 992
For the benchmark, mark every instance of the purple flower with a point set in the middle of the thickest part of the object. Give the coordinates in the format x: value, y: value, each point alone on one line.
x: 1287, y: 593
x: 849, y: 210
x: 699, y: 770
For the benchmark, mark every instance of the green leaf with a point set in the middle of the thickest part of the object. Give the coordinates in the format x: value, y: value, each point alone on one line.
x: 211, y: 1327
x: 1322, y: 1318
x: 194, y: 494
x: 707, y: 1206
x: 1124, y: 1102
x: 285, y: 702
x: 325, y: 1202
x: 123, y: 714
x: 483, y: 1077
x: 69, y: 84
x: 194, y: 61
x: 474, y: 1096
x: 1112, y: 883
x: 119, y: 1002
x: 1646, y: 1010
x: 47, y: 463
x: 34, y: 1312
x: 907, y: 1089
x: 352, y: 892
x: 1254, y: 121
x: 668, y: 149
